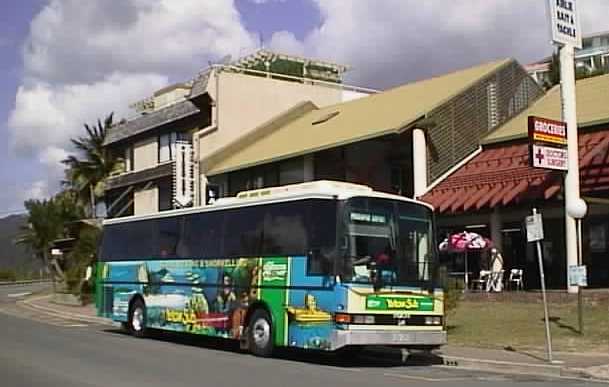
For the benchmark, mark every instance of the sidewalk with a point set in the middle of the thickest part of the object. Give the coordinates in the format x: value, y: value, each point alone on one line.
x: 84, y: 313
x: 575, y: 365
x: 566, y: 364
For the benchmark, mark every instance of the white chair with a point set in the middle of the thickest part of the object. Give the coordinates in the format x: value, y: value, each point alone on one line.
x: 482, y: 281
x: 516, y: 278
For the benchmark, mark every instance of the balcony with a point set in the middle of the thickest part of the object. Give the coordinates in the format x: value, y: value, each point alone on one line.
x: 141, y: 176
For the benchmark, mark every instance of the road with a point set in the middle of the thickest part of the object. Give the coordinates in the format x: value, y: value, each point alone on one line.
x: 36, y: 351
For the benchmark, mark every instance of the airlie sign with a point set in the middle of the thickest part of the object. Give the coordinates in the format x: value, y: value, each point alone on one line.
x: 564, y: 22
x: 547, y: 143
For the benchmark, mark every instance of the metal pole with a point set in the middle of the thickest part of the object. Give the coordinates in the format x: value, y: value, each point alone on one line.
x: 580, y: 303
x: 545, y: 301
x: 569, y: 115
x: 466, y: 273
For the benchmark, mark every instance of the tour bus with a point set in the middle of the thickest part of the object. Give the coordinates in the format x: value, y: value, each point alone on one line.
x: 321, y: 265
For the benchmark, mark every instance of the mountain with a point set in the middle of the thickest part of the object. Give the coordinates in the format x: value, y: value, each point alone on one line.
x: 12, y: 256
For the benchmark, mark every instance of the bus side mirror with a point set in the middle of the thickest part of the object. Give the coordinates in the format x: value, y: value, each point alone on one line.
x: 212, y: 193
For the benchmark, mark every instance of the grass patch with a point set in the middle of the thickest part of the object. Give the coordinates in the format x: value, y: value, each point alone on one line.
x: 520, y: 325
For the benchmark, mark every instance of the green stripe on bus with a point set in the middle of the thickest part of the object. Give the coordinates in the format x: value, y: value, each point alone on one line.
x: 275, y: 272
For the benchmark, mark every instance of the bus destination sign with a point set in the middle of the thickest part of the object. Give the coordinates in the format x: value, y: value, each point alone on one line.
x: 547, y: 143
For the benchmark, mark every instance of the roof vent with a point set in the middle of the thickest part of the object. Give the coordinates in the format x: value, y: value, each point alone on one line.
x: 325, y: 118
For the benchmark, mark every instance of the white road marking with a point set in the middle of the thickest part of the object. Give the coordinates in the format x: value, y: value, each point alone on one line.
x: 17, y: 295
x: 422, y: 378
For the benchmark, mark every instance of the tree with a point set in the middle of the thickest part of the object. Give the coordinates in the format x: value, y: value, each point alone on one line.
x: 554, y: 78
x: 86, y: 174
x: 46, y: 223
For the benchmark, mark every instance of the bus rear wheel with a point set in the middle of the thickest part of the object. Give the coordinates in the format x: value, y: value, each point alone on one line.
x: 137, y: 318
x: 260, y: 332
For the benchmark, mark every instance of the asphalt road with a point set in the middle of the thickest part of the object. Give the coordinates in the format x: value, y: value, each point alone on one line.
x: 35, y: 351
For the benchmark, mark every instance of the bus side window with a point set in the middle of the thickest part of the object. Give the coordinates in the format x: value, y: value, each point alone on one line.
x: 243, y: 232
x: 201, y: 236
x: 285, y: 229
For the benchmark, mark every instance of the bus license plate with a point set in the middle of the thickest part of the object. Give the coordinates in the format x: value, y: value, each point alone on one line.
x: 402, y: 337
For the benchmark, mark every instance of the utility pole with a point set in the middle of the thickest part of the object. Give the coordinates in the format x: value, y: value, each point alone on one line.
x: 566, y: 33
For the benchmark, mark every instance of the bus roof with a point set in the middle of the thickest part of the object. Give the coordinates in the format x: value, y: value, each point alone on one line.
x: 321, y: 189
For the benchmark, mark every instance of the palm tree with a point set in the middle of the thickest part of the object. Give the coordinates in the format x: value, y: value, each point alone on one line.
x: 45, y: 224
x: 86, y: 175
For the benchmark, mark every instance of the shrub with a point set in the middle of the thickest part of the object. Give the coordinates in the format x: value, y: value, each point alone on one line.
x: 7, y: 275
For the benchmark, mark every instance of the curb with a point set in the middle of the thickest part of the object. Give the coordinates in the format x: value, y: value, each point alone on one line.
x: 25, y: 282
x: 493, y: 366
x: 503, y: 366
x: 30, y: 303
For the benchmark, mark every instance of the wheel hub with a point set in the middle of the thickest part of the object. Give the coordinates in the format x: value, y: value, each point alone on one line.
x: 261, y: 332
x: 137, y: 320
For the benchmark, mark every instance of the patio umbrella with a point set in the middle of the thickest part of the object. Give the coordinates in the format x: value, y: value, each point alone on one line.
x: 463, y: 242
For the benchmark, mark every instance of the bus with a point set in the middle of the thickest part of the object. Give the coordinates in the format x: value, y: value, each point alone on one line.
x: 321, y: 265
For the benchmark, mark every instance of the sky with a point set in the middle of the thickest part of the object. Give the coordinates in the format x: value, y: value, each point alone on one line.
x: 64, y: 63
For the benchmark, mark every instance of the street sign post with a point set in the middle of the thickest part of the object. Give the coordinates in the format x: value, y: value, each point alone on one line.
x: 578, y: 275
x: 534, y: 225
x: 547, y: 144
x: 567, y: 35
x: 564, y: 22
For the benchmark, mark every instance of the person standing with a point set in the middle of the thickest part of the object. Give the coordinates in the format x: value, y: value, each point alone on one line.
x: 496, y: 283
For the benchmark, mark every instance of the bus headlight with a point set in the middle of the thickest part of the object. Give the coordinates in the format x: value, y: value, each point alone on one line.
x: 433, y: 320
x: 363, y: 319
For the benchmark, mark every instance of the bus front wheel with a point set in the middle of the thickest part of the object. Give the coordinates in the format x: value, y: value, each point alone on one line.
x: 137, y: 318
x: 261, y: 334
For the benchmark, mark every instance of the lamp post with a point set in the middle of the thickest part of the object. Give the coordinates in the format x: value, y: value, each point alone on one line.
x: 577, y: 209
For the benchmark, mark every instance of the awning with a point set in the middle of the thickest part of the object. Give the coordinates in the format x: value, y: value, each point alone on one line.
x: 501, y: 176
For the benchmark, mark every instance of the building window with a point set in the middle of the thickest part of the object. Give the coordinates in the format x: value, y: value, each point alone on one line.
x: 291, y: 171
x: 492, y: 108
x: 129, y: 158
x: 165, y: 195
x: 167, y: 146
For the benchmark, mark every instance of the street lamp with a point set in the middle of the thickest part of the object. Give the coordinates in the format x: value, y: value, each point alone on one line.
x: 577, y: 209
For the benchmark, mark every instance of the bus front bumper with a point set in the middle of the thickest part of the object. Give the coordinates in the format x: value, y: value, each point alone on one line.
x: 344, y: 338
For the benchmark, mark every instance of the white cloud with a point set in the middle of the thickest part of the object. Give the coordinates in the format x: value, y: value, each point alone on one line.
x: 391, y: 42
x: 85, y: 59
x: 38, y: 190
x: 76, y: 41
x: 47, y: 115
x: 284, y: 41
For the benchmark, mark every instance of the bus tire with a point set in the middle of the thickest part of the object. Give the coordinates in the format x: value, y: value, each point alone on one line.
x: 260, y: 332
x: 137, y: 318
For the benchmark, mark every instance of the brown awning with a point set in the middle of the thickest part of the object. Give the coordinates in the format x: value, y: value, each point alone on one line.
x: 501, y: 176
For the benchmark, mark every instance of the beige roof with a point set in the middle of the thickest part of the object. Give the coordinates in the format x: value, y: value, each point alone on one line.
x: 592, y: 108
x: 389, y: 112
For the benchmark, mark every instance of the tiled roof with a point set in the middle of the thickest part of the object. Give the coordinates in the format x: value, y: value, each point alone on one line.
x: 592, y: 109
x: 150, y: 121
x: 373, y: 116
x: 199, y: 86
x: 501, y: 176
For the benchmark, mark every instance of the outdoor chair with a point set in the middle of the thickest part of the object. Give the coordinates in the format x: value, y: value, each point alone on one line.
x: 482, y: 281
x: 516, y: 279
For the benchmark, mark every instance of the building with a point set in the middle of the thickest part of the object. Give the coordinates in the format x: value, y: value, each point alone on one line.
x: 592, y: 59
x: 493, y: 191
x: 182, y: 123
x: 399, y: 141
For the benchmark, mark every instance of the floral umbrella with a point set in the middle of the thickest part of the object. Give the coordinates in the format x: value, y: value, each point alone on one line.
x: 462, y: 243
x: 465, y: 241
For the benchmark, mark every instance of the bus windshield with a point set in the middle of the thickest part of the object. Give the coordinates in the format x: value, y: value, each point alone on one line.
x: 387, y: 242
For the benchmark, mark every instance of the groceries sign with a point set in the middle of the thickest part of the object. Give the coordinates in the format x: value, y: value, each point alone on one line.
x: 564, y: 22
x: 547, y: 143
